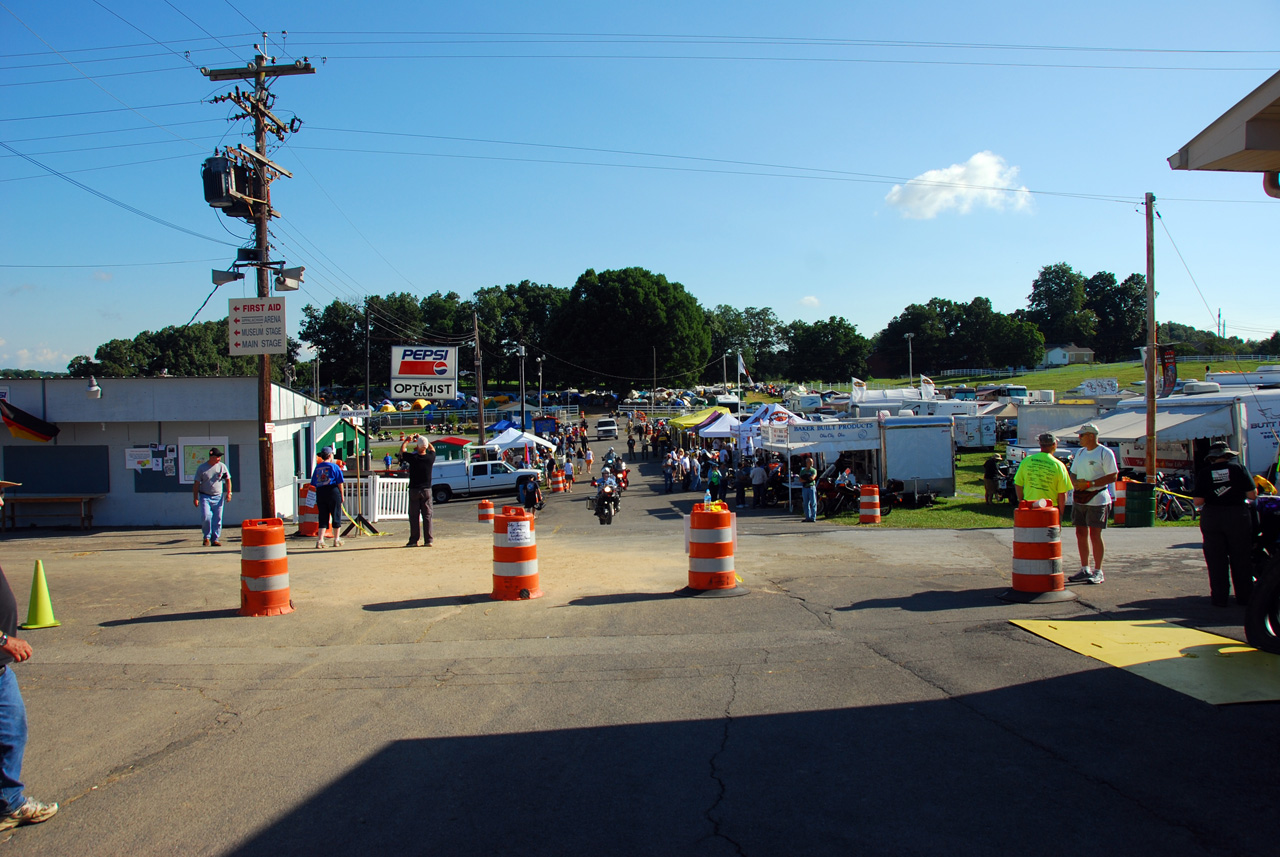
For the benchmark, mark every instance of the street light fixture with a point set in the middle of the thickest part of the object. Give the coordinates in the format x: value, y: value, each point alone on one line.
x: 911, y: 375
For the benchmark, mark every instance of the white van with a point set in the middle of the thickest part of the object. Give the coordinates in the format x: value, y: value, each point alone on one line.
x: 606, y: 428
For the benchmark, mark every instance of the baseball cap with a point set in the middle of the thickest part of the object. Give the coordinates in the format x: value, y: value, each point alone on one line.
x: 1048, y: 439
x: 327, y: 452
x: 1087, y: 428
x: 215, y: 451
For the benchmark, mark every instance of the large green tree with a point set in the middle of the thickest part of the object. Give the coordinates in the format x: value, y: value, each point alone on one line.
x: 830, y: 350
x: 1120, y: 310
x: 616, y: 326
x: 1057, y: 306
x: 194, y: 350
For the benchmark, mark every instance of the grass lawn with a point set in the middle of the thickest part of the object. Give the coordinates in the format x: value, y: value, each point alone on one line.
x: 966, y: 510
x: 1065, y: 378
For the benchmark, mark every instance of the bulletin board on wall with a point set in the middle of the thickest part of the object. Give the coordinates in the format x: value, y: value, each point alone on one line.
x: 73, y: 470
x: 149, y: 481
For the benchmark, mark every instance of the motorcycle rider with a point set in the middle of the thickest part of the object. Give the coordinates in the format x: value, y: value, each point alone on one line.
x: 606, y: 479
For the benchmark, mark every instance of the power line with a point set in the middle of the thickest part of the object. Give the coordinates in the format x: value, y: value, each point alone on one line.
x: 119, y: 264
x: 129, y: 208
x: 98, y: 112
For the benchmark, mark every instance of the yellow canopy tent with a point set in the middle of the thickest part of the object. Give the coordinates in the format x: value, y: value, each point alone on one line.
x: 688, y: 421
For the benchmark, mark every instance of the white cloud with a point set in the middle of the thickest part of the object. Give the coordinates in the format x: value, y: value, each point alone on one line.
x: 808, y: 300
x: 103, y: 276
x: 42, y: 358
x: 985, y: 180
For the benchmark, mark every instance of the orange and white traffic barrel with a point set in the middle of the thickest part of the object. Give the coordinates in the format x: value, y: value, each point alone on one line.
x: 869, y: 504
x: 308, y: 512
x: 515, y: 556
x: 710, y: 538
x: 485, y: 515
x: 264, y: 569
x: 557, y: 481
x: 1037, y: 556
x: 1121, y: 490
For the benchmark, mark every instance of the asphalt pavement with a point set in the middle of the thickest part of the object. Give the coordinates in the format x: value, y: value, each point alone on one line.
x: 867, y: 696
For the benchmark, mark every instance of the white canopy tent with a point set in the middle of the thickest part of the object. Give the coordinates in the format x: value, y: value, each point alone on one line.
x: 726, y: 426
x: 513, y: 437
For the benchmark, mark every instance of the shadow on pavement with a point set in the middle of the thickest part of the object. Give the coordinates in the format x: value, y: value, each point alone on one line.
x: 420, y: 603
x: 228, y: 613
x: 620, y: 598
x: 977, y: 774
x: 932, y: 601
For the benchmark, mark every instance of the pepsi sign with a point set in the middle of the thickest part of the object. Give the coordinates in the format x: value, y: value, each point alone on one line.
x: 423, y: 371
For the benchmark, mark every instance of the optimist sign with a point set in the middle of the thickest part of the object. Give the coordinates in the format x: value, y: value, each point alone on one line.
x: 256, y: 326
x: 424, y: 371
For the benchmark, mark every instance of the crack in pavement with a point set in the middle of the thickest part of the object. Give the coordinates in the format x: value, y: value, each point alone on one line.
x: 722, y: 788
x: 822, y: 615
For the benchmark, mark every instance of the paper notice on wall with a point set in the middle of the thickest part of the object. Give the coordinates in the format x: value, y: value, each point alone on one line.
x: 171, y: 467
x: 137, y: 459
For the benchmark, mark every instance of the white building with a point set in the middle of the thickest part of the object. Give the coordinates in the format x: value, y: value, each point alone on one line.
x: 133, y: 449
x: 1066, y: 355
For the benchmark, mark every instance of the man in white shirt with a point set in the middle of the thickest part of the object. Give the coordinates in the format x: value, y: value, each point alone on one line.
x: 1092, y: 470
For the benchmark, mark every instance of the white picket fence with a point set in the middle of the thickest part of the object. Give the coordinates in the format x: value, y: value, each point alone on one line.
x: 378, y: 498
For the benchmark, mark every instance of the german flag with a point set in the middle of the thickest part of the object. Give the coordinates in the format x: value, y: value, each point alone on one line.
x: 25, y: 425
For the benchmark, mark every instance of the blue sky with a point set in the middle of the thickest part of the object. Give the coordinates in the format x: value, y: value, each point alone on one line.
x: 759, y: 153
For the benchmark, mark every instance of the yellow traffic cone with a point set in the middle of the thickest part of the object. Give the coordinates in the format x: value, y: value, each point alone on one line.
x: 40, y: 613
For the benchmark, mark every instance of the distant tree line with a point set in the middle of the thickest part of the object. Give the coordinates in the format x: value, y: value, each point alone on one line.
x: 627, y: 328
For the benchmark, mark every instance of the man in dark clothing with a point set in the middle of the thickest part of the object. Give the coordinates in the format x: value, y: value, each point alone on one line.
x: 1226, y: 526
x: 15, y: 808
x: 419, y: 462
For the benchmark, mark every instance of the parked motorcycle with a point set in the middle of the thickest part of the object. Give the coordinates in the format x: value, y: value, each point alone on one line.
x: 834, y: 499
x: 1005, y: 489
x: 1262, y: 617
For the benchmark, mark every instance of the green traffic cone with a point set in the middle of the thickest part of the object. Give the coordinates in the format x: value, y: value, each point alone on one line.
x: 40, y: 613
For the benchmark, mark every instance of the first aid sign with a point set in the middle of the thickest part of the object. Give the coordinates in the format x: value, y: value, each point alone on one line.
x: 424, y: 371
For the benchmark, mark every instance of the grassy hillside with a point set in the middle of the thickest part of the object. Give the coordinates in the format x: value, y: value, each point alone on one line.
x: 1069, y: 377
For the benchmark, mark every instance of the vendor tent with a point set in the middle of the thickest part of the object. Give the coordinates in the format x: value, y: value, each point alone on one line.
x: 724, y: 425
x: 513, y: 437
x: 771, y: 413
x: 691, y: 421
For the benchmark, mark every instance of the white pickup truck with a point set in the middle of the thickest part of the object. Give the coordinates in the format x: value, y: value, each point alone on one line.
x: 459, y: 478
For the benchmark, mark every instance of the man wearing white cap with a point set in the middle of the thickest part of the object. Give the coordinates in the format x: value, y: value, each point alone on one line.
x: 1092, y: 470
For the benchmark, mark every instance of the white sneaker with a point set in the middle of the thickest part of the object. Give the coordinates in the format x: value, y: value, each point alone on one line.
x: 319, y: 543
x: 1097, y: 576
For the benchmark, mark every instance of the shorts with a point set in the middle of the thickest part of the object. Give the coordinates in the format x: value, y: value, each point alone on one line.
x: 1090, y: 516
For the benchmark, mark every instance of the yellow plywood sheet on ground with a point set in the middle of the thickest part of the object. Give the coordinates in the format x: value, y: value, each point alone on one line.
x: 1214, y: 669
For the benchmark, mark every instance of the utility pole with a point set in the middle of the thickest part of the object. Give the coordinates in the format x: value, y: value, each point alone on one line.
x: 521, y: 351
x: 475, y: 328
x: 911, y: 375
x: 366, y: 352
x: 257, y: 106
x: 1152, y: 356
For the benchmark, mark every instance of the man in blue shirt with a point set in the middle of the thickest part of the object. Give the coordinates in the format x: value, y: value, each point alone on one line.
x: 327, y: 478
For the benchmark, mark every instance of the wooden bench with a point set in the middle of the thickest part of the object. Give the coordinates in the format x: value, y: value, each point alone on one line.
x: 9, y: 514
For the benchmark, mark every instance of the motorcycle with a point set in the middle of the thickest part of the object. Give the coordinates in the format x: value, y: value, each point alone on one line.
x: 606, y: 503
x: 836, y: 498
x: 1005, y: 489
x: 1262, y: 616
